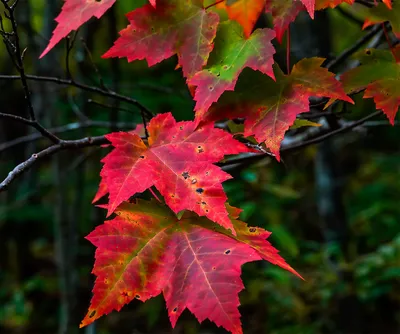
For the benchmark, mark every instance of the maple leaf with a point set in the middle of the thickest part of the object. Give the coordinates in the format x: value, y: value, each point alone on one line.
x: 384, y: 12
x: 146, y: 251
x: 321, y: 4
x: 177, y: 161
x: 283, y: 13
x: 179, y: 27
x: 232, y: 53
x: 245, y: 12
x: 379, y: 75
x: 73, y: 14
x: 271, y: 107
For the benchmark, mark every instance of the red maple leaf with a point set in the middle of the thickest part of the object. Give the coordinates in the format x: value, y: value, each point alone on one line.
x: 245, y: 12
x: 270, y: 107
x: 283, y: 13
x: 178, y: 161
x: 146, y: 251
x: 74, y: 13
x: 173, y: 27
x: 321, y: 4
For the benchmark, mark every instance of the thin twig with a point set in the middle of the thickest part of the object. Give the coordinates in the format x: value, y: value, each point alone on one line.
x: 65, y: 128
x: 357, y: 45
x: 63, y: 145
x: 35, y: 124
x: 83, y: 87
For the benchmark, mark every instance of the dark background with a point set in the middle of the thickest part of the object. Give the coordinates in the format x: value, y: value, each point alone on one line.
x: 333, y: 208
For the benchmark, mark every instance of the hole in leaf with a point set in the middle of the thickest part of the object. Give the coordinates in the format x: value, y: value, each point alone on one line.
x: 92, y: 314
x: 175, y: 309
x: 227, y: 251
x: 142, y: 157
x: 199, y: 190
x: 252, y: 229
x: 204, y: 203
x: 200, y: 149
x: 185, y: 175
x: 206, y: 210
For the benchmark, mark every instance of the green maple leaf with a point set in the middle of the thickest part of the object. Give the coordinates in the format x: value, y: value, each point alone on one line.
x: 379, y: 75
x: 232, y: 53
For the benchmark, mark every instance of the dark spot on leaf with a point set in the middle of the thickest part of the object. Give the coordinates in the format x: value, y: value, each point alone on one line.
x: 227, y: 251
x: 137, y: 297
x: 142, y: 157
x: 252, y: 229
x: 181, y: 127
x: 225, y: 67
x: 213, y: 268
x: 194, y: 181
x: 204, y: 203
x: 207, y: 173
x: 124, y: 293
x: 185, y: 175
x: 206, y: 210
x: 92, y: 314
x: 210, y: 88
x: 175, y: 309
x: 200, y: 149
x: 368, y: 52
x: 200, y: 190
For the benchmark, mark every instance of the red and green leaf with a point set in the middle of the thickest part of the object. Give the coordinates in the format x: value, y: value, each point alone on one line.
x: 233, y: 52
x: 146, y: 251
x: 379, y: 75
x: 283, y: 13
x: 382, y: 13
x: 270, y: 107
x: 179, y: 27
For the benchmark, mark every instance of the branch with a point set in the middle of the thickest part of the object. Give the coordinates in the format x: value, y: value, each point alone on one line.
x: 254, y: 157
x: 63, y: 145
x: 44, y: 132
x: 358, y: 44
x: 63, y: 129
x: 18, y: 54
x: 85, y: 87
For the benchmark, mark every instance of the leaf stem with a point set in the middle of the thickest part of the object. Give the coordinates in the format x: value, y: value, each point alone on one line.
x: 288, y: 50
x: 390, y: 43
x: 213, y: 4
x: 154, y: 194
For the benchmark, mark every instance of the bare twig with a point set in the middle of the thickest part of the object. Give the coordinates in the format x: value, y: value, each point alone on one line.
x: 85, y: 87
x: 63, y: 145
x: 65, y: 128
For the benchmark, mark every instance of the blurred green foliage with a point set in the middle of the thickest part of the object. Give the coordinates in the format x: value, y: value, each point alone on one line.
x: 351, y: 284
